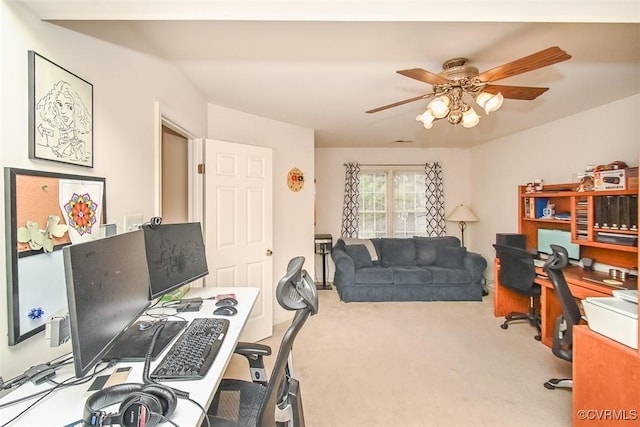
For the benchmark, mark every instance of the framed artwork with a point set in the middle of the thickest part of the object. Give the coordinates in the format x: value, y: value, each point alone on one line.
x: 60, y: 114
x: 45, y: 211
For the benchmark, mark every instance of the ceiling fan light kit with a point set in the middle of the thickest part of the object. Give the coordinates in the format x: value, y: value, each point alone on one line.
x: 458, y: 81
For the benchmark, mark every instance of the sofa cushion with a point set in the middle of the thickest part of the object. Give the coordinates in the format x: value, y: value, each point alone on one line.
x: 426, y: 248
x: 411, y: 275
x: 348, y: 241
x: 425, y: 252
x: 453, y: 276
x: 373, y: 275
x: 360, y: 256
x: 398, y: 252
x: 451, y: 256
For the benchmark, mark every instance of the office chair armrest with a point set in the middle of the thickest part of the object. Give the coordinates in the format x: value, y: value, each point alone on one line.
x: 252, y: 350
x: 254, y: 353
x: 562, y: 340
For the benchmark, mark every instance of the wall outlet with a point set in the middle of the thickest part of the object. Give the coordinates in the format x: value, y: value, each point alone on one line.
x: 132, y: 222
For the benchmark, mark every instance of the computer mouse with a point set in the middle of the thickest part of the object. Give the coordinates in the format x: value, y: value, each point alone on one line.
x: 227, y: 302
x: 227, y: 310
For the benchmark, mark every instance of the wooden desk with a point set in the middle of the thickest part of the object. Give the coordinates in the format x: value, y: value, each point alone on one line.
x: 66, y: 405
x: 507, y: 300
x: 606, y: 381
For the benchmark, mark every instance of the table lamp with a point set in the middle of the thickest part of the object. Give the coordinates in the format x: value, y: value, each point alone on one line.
x: 462, y: 215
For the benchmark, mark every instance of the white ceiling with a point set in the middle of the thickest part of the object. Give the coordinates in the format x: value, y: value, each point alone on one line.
x: 324, y: 74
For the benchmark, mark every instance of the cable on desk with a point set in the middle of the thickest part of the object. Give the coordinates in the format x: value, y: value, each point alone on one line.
x: 146, y: 378
x: 204, y: 411
x: 37, y: 371
x: 45, y: 393
x: 163, y: 418
x: 63, y: 384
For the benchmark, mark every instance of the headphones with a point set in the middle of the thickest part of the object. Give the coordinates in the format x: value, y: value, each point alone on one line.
x: 143, y: 405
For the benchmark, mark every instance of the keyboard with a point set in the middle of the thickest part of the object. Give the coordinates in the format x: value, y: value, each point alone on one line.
x: 194, y: 352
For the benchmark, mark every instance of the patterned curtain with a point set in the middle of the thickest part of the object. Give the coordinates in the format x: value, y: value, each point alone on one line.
x: 350, y: 208
x: 435, y: 199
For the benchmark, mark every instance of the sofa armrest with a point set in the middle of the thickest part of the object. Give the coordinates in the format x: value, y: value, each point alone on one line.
x: 476, y: 264
x: 345, y: 272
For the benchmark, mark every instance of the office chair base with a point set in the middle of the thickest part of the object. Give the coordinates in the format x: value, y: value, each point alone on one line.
x: 554, y: 383
x: 533, y: 319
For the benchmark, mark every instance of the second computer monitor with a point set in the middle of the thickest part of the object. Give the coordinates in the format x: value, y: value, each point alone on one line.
x: 175, y: 255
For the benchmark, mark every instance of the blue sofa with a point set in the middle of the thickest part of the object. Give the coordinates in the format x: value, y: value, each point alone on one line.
x: 407, y: 269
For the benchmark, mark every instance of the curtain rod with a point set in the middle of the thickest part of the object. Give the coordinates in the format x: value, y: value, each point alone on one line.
x: 388, y: 164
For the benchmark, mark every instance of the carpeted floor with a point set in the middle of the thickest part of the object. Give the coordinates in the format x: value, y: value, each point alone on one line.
x: 421, y: 364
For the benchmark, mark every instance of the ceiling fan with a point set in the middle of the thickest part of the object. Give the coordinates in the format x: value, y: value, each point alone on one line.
x: 458, y: 81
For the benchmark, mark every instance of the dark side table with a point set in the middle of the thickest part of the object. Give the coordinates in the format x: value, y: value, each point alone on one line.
x: 323, y: 245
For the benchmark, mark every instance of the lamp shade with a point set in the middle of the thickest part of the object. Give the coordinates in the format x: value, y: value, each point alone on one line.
x: 462, y: 214
x: 439, y: 106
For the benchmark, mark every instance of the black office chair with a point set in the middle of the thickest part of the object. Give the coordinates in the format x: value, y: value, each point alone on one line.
x: 276, y: 402
x: 563, y: 333
x: 518, y: 272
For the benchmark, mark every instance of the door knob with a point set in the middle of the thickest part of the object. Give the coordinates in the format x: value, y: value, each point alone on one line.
x: 269, y: 252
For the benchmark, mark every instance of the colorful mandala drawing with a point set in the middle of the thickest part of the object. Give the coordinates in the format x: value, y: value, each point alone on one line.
x: 81, y: 213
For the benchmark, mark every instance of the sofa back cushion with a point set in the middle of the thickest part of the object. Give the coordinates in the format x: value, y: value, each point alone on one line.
x: 368, y: 244
x: 427, y: 248
x: 397, y: 252
x: 451, y: 256
x: 360, y: 256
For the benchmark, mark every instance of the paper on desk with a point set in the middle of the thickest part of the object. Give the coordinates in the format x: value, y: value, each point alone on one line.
x: 630, y: 295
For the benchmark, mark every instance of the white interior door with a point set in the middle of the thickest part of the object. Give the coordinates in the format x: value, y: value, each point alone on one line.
x: 238, y: 218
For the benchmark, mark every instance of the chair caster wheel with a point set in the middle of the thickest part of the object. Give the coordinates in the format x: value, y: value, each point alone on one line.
x: 504, y: 326
x: 538, y: 338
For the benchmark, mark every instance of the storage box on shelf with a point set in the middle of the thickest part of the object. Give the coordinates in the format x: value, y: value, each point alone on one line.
x: 614, y: 242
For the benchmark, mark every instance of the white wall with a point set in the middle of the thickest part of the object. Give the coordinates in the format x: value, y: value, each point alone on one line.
x: 553, y: 152
x: 292, y: 211
x: 126, y: 87
x: 330, y: 173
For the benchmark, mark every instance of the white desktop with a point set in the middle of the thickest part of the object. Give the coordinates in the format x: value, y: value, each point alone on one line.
x: 65, y: 406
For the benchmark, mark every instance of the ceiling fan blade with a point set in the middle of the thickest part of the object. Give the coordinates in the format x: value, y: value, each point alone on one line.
x: 424, y: 76
x: 395, y: 104
x: 516, y: 92
x: 532, y: 62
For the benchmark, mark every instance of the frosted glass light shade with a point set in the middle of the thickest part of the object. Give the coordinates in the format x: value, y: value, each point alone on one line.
x: 426, y: 118
x: 470, y: 118
x: 489, y: 102
x: 439, y: 106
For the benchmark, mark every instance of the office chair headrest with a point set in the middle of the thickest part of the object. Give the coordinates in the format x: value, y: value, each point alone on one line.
x: 296, y: 289
x: 558, y: 259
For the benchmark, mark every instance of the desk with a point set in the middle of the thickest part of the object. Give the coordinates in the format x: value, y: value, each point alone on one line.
x: 606, y: 375
x: 507, y: 300
x: 65, y: 406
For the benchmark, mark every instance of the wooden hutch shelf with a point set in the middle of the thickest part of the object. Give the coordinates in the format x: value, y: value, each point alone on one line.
x: 579, y: 209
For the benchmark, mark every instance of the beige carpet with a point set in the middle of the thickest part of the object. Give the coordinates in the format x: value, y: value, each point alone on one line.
x: 421, y: 364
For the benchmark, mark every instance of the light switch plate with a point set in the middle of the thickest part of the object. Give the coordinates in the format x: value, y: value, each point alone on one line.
x: 132, y: 222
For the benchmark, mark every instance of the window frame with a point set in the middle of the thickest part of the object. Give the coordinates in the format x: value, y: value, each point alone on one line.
x: 390, y: 172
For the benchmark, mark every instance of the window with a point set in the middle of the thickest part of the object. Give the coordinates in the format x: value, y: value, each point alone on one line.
x: 392, y: 203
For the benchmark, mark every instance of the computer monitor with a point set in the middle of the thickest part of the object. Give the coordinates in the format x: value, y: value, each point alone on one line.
x: 175, y: 255
x: 548, y: 237
x: 107, y: 283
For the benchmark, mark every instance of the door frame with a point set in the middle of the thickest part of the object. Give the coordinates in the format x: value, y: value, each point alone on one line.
x: 195, y: 157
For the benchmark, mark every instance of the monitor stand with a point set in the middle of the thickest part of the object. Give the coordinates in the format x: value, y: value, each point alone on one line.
x: 134, y: 343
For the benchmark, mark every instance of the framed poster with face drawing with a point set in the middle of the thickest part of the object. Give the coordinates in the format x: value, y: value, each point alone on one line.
x: 60, y: 114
